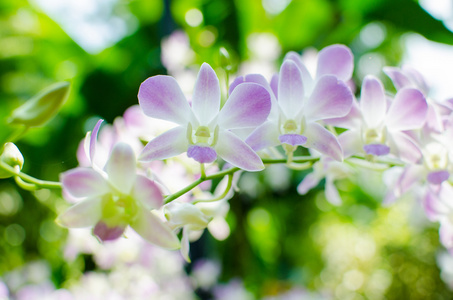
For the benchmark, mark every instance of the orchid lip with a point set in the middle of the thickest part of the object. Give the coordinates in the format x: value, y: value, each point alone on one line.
x: 106, y: 233
x: 202, y: 154
x: 437, y: 177
x: 293, y: 139
x: 376, y: 149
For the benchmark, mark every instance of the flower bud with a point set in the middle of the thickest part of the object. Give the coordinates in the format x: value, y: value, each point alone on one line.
x: 42, y: 107
x: 12, y: 157
x: 181, y: 214
x: 225, y: 59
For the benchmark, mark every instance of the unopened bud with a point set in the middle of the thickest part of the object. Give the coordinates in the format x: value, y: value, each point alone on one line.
x: 182, y: 214
x: 12, y: 157
x: 225, y: 59
x: 42, y: 107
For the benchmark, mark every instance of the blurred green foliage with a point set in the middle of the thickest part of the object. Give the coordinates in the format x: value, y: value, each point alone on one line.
x: 279, y: 238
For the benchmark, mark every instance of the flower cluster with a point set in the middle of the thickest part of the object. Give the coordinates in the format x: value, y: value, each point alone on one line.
x: 136, y: 173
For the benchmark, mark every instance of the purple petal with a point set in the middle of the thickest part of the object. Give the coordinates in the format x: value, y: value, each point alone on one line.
x: 376, y: 149
x: 266, y: 135
x: 82, y: 214
x: 93, y: 137
x: 372, y: 102
x: 437, y: 177
x: 121, y: 167
x: 154, y: 230
x: 234, y: 151
x: 407, y: 111
x: 84, y: 182
x: 335, y: 60
x: 274, y: 85
x: 404, y: 147
x: 202, y: 154
x: 254, y: 78
x: 106, y: 233
x: 248, y: 106
x: 310, y: 181
x: 161, y: 97
x: 206, y: 95
x: 306, y: 77
x: 434, y: 119
x: 397, y: 76
x: 331, y: 98
x: 171, y: 143
x: 290, y: 89
x: 350, y: 142
x: 353, y: 120
x: 292, y: 139
x: 147, y: 192
x: 323, y: 141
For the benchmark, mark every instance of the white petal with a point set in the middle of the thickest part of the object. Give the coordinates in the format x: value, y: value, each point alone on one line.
x: 83, y: 214
x: 121, y: 167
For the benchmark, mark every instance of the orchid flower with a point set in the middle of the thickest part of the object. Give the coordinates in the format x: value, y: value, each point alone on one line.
x: 204, y: 129
x: 296, y: 122
x: 113, y: 198
x: 377, y: 130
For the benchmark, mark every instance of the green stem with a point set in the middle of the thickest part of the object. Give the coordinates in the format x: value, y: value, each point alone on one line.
x: 27, y: 179
x: 298, y: 159
x: 223, y: 195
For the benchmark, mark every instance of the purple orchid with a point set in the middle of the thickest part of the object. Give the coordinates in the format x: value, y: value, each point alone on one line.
x: 294, y: 119
x: 204, y: 130
x: 377, y: 130
x: 113, y: 198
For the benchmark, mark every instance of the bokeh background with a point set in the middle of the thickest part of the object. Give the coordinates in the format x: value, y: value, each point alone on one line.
x: 280, y: 241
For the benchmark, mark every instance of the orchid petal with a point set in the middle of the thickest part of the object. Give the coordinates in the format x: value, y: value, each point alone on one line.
x: 307, y: 79
x: 352, y: 120
x: 437, y: 177
x: 376, y: 149
x: 335, y: 60
x: 331, y: 192
x: 181, y: 214
x: 106, y: 233
x: 154, y: 230
x: 266, y: 135
x: 290, y: 89
x: 219, y: 228
x: 398, y: 78
x: 248, y: 106
x: 404, y: 147
x: 121, y: 167
x: 170, y: 143
x: 407, y: 111
x: 83, y: 214
x: 147, y: 192
x: 350, y: 142
x: 251, y: 78
x: 258, y: 79
x: 185, y: 244
x: 372, y: 102
x: 161, y: 97
x: 206, y: 95
x: 310, y: 181
x: 292, y: 139
x: 84, y: 182
x: 331, y: 98
x: 323, y: 141
x: 236, y: 152
x: 93, y: 137
x: 274, y: 84
x: 202, y: 154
